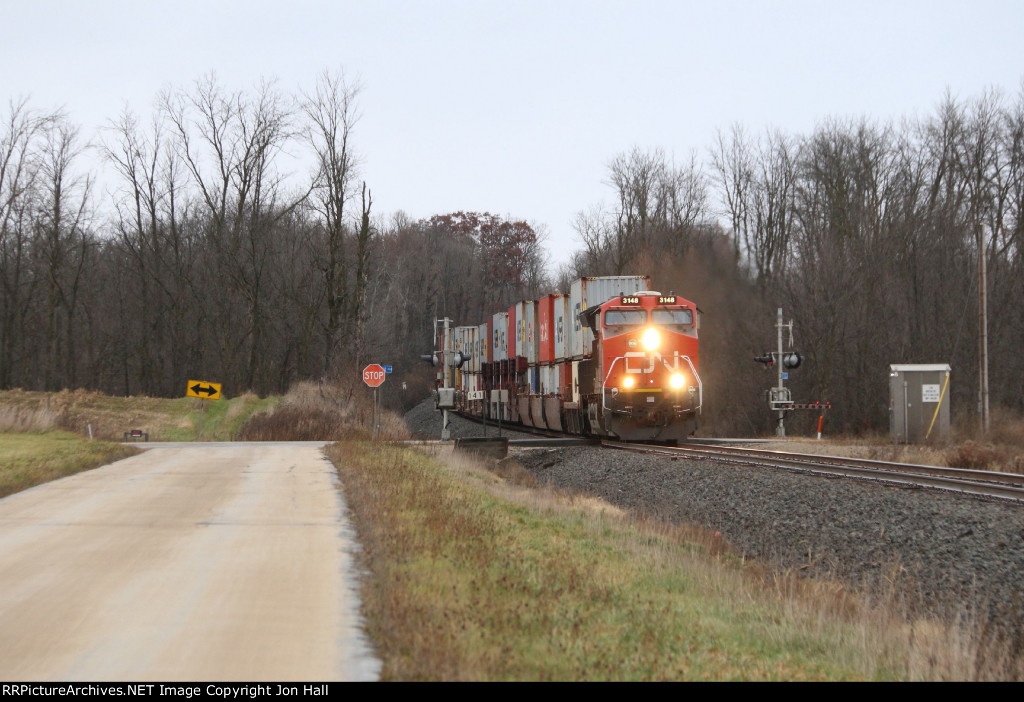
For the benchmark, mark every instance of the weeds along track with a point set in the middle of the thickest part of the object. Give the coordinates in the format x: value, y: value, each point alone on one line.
x: 981, y: 483
x: 937, y: 551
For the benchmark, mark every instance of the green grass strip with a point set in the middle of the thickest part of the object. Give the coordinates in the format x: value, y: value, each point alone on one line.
x: 467, y: 586
x: 30, y: 459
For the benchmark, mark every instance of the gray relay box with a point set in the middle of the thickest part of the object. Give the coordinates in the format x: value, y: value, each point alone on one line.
x: 919, y: 403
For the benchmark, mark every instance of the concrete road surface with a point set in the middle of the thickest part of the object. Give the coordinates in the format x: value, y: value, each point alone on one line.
x: 226, y: 562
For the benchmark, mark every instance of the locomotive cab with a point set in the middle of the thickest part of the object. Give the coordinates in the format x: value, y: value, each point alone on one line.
x: 650, y: 388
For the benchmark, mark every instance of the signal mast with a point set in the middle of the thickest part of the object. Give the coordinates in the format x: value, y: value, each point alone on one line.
x: 779, y: 397
x: 446, y: 360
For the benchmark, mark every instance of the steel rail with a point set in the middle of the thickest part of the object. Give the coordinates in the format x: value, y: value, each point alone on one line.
x: 975, y: 482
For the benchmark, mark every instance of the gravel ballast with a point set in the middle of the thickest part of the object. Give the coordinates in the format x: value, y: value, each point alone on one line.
x: 940, y: 549
x: 425, y: 423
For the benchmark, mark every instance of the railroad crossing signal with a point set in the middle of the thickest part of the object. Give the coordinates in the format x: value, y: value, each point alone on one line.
x: 790, y: 359
x: 203, y: 390
x: 374, y: 375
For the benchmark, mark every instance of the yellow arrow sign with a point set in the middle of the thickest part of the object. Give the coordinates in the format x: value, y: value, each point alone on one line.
x: 203, y: 389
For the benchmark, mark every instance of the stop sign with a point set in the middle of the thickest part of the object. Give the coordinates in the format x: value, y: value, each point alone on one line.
x: 373, y: 375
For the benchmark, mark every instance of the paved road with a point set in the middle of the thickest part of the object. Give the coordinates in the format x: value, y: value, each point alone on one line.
x: 186, y: 562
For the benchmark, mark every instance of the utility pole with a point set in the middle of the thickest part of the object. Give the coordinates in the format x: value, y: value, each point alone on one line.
x: 983, y: 331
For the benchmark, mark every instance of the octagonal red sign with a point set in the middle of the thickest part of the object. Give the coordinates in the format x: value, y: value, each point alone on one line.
x: 374, y: 375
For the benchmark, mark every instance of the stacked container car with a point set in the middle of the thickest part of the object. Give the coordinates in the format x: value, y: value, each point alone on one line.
x: 610, y: 358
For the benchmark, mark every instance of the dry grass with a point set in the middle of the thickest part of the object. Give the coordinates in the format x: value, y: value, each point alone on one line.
x: 108, y: 417
x: 1002, y: 451
x: 28, y: 419
x: 985, y: 456
x: 479, y: 575
x: 318, y: 412
x: 884, y: 634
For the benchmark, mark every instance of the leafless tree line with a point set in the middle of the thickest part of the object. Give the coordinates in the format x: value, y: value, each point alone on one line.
x: 210, y: 267
x: 867, y: 234
x: 214, y: 265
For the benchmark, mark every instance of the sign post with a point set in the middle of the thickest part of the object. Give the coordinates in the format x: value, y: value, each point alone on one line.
x: 374, y: 375
x: 204, y: 391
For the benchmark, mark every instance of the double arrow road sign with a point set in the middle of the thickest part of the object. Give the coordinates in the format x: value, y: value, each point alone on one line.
x: 203, y: 389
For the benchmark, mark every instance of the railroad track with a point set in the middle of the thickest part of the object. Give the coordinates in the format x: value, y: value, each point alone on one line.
x: 1008, y: 486
x: 506, y: 427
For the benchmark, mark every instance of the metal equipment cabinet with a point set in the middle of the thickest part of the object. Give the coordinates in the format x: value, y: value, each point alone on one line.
x: 919, y: 403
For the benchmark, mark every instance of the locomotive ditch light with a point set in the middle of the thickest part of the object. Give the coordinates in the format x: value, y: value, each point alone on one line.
x: 628, y: 382
x: 651, y: 339
x: 677, y: 381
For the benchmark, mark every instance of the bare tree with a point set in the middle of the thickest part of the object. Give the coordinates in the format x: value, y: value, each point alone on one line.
x: 20, y: 172
x: 229, y: 142
x: 732, y: 160
x: 331, y: 113
x: 62, y: 243
x: 757, y: 188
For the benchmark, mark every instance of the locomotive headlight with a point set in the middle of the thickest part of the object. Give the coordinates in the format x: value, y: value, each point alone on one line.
x: 628, y: 382
x: 677, y: 381
x: 651, y: 339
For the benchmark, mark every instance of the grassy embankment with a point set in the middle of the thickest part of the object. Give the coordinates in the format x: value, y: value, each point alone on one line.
x: 472, y: 578
x: 44, y: 436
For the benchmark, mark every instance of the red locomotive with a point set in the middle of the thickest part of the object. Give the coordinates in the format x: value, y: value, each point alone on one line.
x: 611, y: 359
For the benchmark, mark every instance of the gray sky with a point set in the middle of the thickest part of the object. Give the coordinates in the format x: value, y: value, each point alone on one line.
x: 517, y: 107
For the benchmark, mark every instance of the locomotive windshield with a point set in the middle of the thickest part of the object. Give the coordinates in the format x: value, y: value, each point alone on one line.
x: 618, y: 321
x: 677, y: 319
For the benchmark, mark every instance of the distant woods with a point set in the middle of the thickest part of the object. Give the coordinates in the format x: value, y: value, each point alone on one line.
x: 868, y: 235
x: 202, y: 258
x: 202, y: 253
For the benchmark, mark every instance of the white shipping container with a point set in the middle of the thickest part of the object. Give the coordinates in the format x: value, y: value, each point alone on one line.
x: 549, y: 380
x: 499, y: 336
x: 531, y: 332
x: 519, y: 310
x: 563, y: 328
x: 482, y: 346
x: 587, y: 292
x: 462, y: 342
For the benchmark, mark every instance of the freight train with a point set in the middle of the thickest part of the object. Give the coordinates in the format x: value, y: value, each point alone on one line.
x: 611, y: 358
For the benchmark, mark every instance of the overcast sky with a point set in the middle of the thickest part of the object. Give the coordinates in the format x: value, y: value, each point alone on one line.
x: 517, y: 107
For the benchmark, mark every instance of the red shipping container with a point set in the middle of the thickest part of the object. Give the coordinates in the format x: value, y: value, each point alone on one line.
x: 513, y: 345
x: 565, y: 380
x: 546, y: 321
